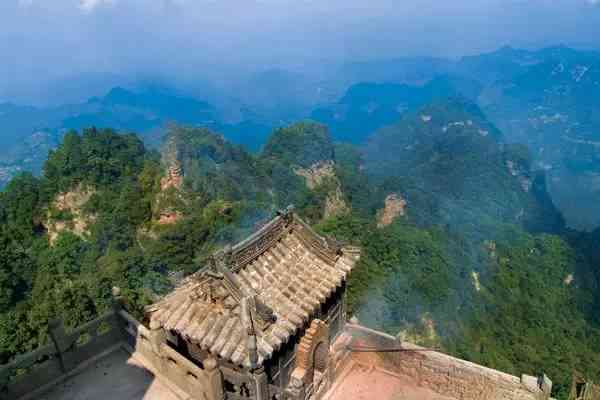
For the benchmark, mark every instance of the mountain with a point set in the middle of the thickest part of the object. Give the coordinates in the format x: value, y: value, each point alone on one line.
x: 502, y: 64
x: 302, y: 164
x: 29, y: 133
x: 546, y: 99
x: 130, y: 111
x: 444, y: 189
x: 279, y: 95
x: 26, y: 154
x: 553, y: 107
x: 447, y: 160
x: 365, y: 107
x: 146, y: 111
x: 405, y: 70
x: 213, y: 166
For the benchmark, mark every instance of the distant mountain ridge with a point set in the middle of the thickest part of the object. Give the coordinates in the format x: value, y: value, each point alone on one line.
x: 548, y: 99
x: 554, y: 108
x: 145, y: 112
x: 447, y: 160
x: 368, y: 106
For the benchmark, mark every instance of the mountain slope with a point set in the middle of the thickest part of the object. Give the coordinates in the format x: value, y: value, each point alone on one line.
x: 458, y: 258
x: 300, y: 160
x: 28, y: 133
x: 213, y: 166
x: 368, y: 106
x: 446, y: 159
x: 553, y: 107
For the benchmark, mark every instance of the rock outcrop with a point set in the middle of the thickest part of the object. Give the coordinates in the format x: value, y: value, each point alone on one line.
x: 395, y: 206
x: 335, y: 204
x: 66, y: 213
x: 174, y: 178
x: 170, y: 195
x: 321, y: 173
x: 524, y: 180
x: 317, y: 173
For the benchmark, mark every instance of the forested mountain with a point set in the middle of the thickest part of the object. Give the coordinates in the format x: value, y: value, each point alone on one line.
x: 28, y: 133
x: 366, y: 107
x: 107, y: 212
x: 214, y: 166
x: 461, y: 247
x: 454, y: 181
x: 448, y: 161
x: 546, y: 99
x: 553, y: 108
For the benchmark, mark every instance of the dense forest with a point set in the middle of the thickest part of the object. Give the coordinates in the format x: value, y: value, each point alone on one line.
x: 478, y: 263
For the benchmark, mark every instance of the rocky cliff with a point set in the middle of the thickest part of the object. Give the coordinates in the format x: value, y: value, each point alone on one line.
x: 395, y: 206
x: 66, y: 213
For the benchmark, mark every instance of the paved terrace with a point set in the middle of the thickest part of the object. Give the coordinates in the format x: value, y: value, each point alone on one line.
x: 121, y: 376
x: 362, y: 382
x: 111, y: 358
x: 371, y: 365
x: 117, y: 376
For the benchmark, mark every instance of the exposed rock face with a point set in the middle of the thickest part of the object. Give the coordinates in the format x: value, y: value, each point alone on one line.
x: 317, y: 173
x: 169, y: 217
x: 395, y: 206
x: 174, y: 178
x: 70, y: 203
x: 170, y: 193
x: 320, y: 173
x: 476, y: 281
x: 569, y: 279
x: 524, y: 179
x: 335, y: 204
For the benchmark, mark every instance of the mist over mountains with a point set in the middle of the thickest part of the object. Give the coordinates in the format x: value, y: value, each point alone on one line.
x: 546, y: 99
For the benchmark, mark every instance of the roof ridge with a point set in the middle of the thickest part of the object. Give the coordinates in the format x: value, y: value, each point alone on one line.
x: 260, y: 294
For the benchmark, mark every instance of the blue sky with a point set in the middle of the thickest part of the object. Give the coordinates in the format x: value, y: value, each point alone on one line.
x: 43, y: 41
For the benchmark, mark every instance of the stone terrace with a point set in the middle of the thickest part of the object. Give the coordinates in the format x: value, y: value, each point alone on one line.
x: 362, y: 382
x: 117, y: 376
x: 372, y: 365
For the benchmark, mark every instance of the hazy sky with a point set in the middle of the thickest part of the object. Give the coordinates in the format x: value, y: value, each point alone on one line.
x: 47, y: 40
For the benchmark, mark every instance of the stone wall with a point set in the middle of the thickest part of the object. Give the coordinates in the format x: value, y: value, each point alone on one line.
x: 441, y: 373
x: 312, y: 375
x: 70, y: 352
x: 65, y: 354
x: 166, y: 363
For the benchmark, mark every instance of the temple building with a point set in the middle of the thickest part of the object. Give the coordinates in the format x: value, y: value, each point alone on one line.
x: 264, y: 312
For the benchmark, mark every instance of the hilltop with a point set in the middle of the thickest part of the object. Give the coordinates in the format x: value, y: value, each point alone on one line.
x: 545, y: 99
x: 30, y: 132
x: 448, y: 160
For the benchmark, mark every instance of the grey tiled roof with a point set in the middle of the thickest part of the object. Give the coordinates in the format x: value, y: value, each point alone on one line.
x: 282, y: 274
